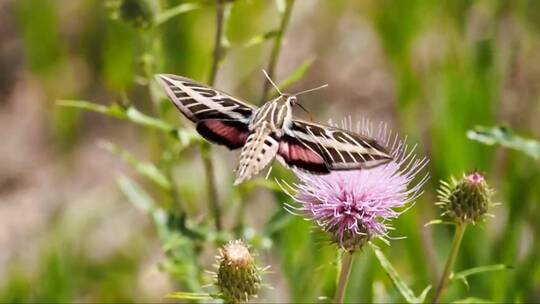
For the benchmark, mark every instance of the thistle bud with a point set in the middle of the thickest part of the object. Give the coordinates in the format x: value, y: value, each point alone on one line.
x: 138, y: 13
x: 238, y: 277
x: 467, y: 200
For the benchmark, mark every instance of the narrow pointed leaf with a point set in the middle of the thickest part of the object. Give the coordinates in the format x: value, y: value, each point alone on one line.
x: 189, y: 296
x: 138, y: 117
x: 297, y: 74
x: 503, y: 136
x: 477, y: 270
x: 438, y: 222
x: 175, y: 11
x: 146, y: 169
x: 278, y: 221
x: 422, y: 297
x: 261, y: 182
x: 129, y: 113
x: 136, y: 195
x: 113, y: 110
x: 473, y: 300
x: 398, y: 282
x: 187, y: 137
x: 260, y: 38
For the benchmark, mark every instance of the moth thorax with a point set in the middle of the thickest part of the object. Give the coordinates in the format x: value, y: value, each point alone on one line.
x: 275, y: 113
x: 283, y: 113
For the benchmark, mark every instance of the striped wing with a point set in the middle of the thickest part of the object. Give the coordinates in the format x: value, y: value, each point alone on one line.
x: 337, y: 148
x: 220, y: 118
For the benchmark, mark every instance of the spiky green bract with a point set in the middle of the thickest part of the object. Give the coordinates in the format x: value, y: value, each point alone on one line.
x: 350, y: 242
x: 466, y: 200
x: 238, y: 277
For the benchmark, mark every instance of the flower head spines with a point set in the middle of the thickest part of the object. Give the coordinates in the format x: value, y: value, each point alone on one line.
x: 467, y: 200
x: 238, y: 277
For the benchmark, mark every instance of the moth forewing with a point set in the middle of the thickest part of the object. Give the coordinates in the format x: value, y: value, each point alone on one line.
x: 219, y: 117
x: 197, y: 101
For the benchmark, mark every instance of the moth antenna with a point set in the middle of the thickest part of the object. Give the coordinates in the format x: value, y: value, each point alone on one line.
x: 311, y: 90
x: 272, y: 82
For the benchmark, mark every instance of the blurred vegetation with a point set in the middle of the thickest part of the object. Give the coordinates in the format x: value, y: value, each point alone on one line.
x: 453, y: 66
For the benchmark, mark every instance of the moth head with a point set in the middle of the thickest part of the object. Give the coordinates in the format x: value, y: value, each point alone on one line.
x: 290, y: 99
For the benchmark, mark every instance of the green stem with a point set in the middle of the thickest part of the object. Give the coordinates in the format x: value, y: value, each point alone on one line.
x: 443, y: 282
x: 218, y: 39
x: 206, y: 149
x: 276, y: 48
x: 148, y: 71
x: 344, y: 276
x: 206, y: 154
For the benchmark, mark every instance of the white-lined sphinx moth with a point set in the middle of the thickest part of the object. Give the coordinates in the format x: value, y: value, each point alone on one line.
x: 270, y: 131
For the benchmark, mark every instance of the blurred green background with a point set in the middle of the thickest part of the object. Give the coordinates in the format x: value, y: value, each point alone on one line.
x: 69, y: 230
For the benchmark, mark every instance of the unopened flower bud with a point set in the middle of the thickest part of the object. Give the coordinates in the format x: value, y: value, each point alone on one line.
x: 238, y: 277
x: 138, y: 13
x: 467, y: 200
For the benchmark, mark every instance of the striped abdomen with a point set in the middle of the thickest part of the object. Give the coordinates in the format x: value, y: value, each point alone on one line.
x: 257, y: 153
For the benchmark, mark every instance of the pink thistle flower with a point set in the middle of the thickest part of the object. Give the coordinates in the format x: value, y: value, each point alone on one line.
x: 355, y: 206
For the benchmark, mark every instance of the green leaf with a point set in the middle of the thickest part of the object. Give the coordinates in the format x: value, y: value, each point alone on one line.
x: 138, y: 117
x: 187, y: 137
x: 438, y: 222
x: 297, y: 74
x: 473, y: 300
x: 175, y: 11
x: 257, y: 182
x: 260, y: 38
x: 278, y: 221
x: 136, y: 195
x: 112, y: 110
x: 462, y: 275
x: 146, y: 169
x: 422, y: 297
x: 504, y: 136
x: 160, y: 220
x: 129, y: 113
x: 398, y: 282
x: 189, y: 296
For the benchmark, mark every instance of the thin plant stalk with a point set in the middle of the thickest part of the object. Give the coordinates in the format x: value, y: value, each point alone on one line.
x: 206, y: 149
x: 445, y: 277
x: 208, y: 163
x: 148, y: 71
x: 276, y: 48
x: 274, y: 56
x: 218, y: 41
x: 343, y: 276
